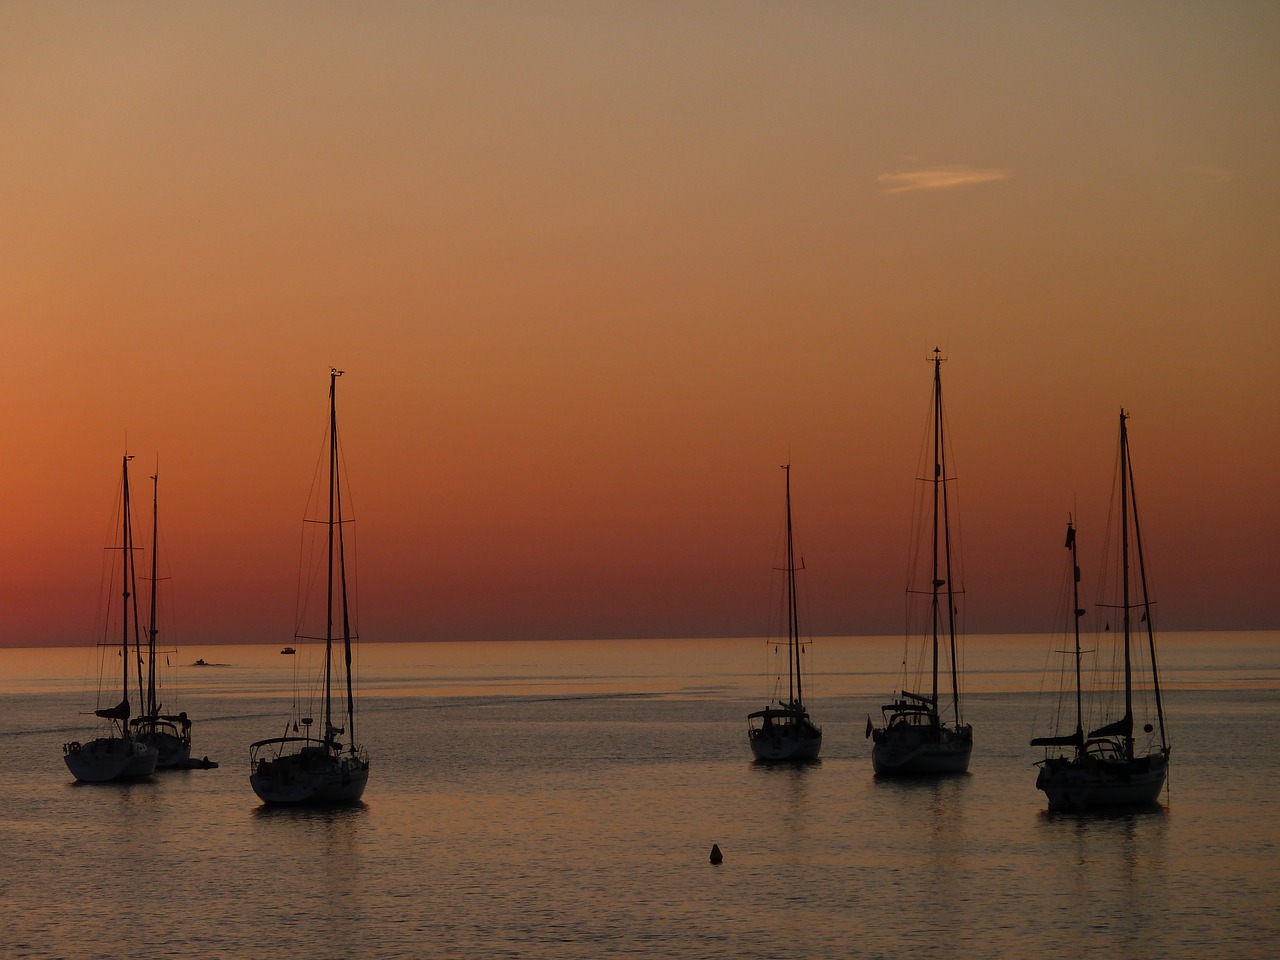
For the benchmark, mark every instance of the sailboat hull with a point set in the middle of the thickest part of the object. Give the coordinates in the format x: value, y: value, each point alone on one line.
x: 785, y: 749
x: 174, y: 752
x: 310, y: 776
x: 110, y: 758
x: 911, y: 751
x: 1074, y: 785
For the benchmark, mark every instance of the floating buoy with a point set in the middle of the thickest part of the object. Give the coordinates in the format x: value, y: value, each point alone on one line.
x: 716, y: 855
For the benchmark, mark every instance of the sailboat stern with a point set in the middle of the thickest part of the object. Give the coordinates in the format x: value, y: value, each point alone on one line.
x: 912, y: 743
x: 312, y: 774
x: 170, y: 736
x: 783, y: 734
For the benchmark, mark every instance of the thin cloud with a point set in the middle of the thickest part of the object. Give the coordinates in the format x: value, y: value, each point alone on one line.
x: 938, y: 178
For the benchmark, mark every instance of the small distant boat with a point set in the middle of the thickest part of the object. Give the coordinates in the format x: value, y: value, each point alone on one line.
x: 316, y: 768
x: 289, y: 650
x: 117, y: 754
x: 1106, y: 767
x: 204, y: 763
x: 783, y: 731
x: 917, y: 737
x: 169, y: 733
x: 200, y: 663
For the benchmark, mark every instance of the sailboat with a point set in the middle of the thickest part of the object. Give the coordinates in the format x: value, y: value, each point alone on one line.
x: 917, y: 736
x: 117, y: 754
x: 169, y: 733
x: 783, y: 731
x: 1106, y: 767
x: 314, y: 767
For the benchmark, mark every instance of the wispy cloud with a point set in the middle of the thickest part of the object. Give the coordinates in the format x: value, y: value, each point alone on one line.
x: 938, y: 178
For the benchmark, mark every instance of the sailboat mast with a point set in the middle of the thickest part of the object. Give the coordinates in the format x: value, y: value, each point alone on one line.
x: 937, y: 491
x: 342, y: 577
x: 794, y: 686
x: 125, y: 546
x: 346, y: 634
x: 1146, y: 609
x: 333, y: 472
x: 946, y: 533
x: 130, y: 587
x: 152, y: 707
x: 1124, y: 567
x: 1077, y: 613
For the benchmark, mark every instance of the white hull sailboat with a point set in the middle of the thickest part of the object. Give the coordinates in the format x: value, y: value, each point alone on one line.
x: 1106, y: 767
x: 110, y: 758
x: 917, y: 737
x: 117, y: 755
x: 307, y: 771
x: 307, y: 767
x: 783, y: 731
x: 915, y: 744
x: 1107, y: 778
x: 169, y: 733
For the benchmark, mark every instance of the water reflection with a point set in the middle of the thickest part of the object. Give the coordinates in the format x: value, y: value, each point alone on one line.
x: 784, y: 806
x: 579, y: 828
x: 1114, y: 861
x: 317, y: 854
x: 316, y: 813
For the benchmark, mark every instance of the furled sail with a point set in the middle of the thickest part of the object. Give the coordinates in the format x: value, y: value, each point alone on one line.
x: 1121, y: 728
x: 118, y: 712
x: 1070, y: 740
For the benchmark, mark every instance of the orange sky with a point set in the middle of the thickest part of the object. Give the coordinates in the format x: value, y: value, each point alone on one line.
x: 595, y: 270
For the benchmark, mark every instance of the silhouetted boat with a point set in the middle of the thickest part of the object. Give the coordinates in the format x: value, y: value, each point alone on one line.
x: 783, y: 731
x: 917, y: 736
x: 289, y: 650
x: 117, y: 754
x: 169, y: 733
x: 1105, y: 767
x: 307, y: 768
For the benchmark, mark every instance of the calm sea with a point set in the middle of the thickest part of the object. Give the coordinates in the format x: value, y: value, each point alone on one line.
x: 560, y: 800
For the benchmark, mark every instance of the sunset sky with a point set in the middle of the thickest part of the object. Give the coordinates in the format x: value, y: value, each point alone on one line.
x: 595, y: 270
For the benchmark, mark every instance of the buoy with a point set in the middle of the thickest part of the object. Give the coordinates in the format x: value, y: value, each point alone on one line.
x: 716, y: 855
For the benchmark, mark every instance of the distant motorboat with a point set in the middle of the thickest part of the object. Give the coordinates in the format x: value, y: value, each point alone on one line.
x: 289, y: 650
x: 783, y: 731
x: 1106, y: 767
x: 919, y: 738
x: 316, y: 768
x: 204, y: 763
x: 117, y: 754
x: 200, y: 663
